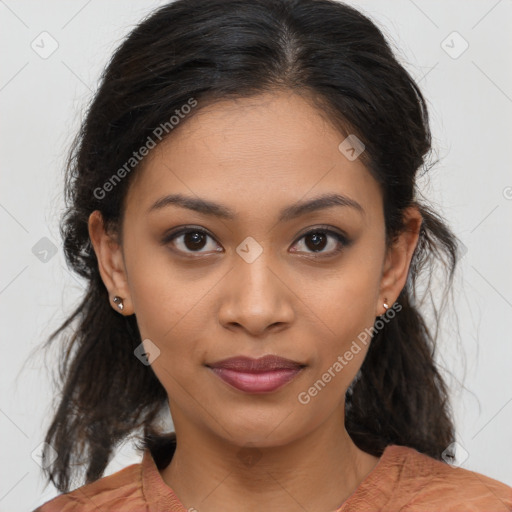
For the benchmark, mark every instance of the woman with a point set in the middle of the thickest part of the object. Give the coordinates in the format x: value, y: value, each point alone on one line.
x: 242, y: 201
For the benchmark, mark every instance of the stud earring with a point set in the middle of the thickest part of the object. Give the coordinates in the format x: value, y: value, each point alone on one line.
x: 385, y: 304
x: 119, y: 301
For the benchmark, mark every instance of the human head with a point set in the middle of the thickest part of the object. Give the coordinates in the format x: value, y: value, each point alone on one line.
x: 217, y: 52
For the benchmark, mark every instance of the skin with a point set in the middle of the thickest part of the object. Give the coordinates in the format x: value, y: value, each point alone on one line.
x: 256, y: 156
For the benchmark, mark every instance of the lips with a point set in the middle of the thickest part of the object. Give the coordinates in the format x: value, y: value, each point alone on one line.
x: 262, y: 364
x: 261, y: 375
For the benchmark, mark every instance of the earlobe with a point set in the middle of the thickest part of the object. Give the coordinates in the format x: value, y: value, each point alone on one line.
x: 110, y: 264
x: 398, y: 258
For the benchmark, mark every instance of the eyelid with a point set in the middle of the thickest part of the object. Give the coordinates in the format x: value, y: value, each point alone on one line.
x: 341, y: 237
x: 182, y: 230
x: 169, y: 236
x: 324, y: 228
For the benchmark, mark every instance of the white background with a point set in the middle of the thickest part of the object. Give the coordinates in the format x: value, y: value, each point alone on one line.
x: 41, y: 104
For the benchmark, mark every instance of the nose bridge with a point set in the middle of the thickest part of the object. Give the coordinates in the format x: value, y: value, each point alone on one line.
x: 257, y: 297
x: 252, y: 269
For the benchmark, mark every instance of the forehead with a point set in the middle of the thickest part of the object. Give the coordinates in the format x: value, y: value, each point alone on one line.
x: 254, y: 153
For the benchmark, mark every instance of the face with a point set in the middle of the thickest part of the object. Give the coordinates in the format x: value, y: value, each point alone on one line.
x: 269, y: 278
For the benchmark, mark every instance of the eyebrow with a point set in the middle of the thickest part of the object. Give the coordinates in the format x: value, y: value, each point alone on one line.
x: 207, y: 207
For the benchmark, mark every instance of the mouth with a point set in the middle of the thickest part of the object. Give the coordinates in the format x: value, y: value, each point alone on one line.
x: 262, y: 375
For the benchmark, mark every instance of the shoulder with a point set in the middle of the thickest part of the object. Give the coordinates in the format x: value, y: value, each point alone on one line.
x: 427, y: 484
x: 123, y: 488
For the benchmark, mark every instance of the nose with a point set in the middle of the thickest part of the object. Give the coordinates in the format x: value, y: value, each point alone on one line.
x: 256, y: 298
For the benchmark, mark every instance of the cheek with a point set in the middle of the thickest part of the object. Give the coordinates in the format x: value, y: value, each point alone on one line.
x: 172, y: 317
x: 174, y: 326
x: 347, y: 308
x: 163, y: 295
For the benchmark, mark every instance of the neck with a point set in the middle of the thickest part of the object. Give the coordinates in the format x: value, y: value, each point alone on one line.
x: 318, y: 471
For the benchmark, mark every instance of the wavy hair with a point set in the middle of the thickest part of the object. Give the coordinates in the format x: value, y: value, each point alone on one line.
x: 212, y: 50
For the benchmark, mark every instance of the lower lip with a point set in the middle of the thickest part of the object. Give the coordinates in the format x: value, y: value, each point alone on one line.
x: 263, y: 382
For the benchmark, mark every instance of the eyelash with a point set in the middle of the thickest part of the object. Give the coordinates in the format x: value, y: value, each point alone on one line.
x: 341, y: 239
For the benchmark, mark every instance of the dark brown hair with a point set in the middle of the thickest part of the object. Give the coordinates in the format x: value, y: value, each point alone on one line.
x: 218, y: 49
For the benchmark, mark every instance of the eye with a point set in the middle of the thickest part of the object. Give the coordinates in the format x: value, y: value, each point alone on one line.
x: 193, y: 240
x: 190, y: 240
x: 318, y: 239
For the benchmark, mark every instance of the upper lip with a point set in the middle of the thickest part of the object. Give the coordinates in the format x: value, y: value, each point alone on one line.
x: 262, y: 364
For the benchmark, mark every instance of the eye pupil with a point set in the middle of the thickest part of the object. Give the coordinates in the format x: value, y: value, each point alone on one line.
x: 195, y: 238
x: 318, y: 241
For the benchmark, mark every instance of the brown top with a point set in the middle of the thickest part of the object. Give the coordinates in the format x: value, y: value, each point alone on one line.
x: 403, y: 480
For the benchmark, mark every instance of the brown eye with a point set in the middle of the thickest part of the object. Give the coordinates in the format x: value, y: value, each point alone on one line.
x: 194, y: 240
x: 190, y: 241
x: 317, y: 240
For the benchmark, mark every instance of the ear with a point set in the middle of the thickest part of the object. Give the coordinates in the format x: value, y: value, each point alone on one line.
x: 398, y: 259
x: 110, y: 263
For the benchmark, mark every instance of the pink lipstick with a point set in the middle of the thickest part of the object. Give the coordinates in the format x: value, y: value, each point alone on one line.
x: 263, y: 375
